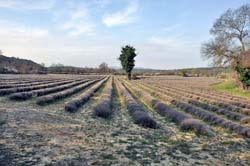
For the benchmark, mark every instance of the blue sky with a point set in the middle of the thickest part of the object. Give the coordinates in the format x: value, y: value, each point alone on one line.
x: 166, y: 33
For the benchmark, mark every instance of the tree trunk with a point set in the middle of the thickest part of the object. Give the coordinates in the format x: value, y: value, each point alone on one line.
x: 242, y: 43
x: 129, y: 76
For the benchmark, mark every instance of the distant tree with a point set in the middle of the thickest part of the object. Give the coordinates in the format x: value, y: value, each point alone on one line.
x: 127, y: 59
x: 183, y: 72
x: 231, y: 39
x: 42, y: 64
x: 195, y: 72
x: 103, y: 68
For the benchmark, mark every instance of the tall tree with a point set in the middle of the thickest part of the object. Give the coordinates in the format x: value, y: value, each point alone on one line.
x: 231, y: 40
x: 128, y: 53
x: 231, y: 37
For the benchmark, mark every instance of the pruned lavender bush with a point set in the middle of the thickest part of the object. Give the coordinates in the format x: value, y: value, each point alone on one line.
x: 31, y: 83
x: 136, y: 110
x: 74, y: 104
x: 20, y: 96
x: 103, y: 108
x: 30, y: 88
x: 60, y: 95
x: 195, y: 125
x: 45, y: 91
x: 207, y: 116
x: 174, y: 115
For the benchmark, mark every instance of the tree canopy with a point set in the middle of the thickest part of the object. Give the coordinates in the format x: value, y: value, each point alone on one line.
x: 128, y: 53
x: 231, y: 37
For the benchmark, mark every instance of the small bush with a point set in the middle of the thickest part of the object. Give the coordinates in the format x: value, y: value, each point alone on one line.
x: 46, y: 91
x: 143, y: 119
x: 136, y: 110
x: 195, y: 125
x: 103, y: 110
x: 31, y: 88
x: 45, y: 100
x: 209, y: 117
x: 229, y: 114
x: 171, y: 113
x: 66, y: 93
x: 73, y: 105
x: 20, y: 96
x: 244, y: 75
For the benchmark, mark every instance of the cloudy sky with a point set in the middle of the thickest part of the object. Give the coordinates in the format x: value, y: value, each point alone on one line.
x: 166, y: 33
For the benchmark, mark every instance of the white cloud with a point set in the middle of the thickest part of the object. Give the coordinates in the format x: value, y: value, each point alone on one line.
x: 168, y: 52
x: 19, y: 40
x: 168, y: 48
x: 27, y: 4
x: 172, y: 42
x: 122, y: 17
x: 77, y: 21
x: 158, y: 52
x: 78, y: 28
x: 40, y: 46
x: 18, y: 31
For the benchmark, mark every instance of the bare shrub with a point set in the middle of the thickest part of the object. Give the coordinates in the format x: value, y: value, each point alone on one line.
x: 141, y: 118
x: 195, y: 125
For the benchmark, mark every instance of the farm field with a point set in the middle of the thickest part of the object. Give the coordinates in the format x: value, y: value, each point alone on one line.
x: 107, y: 120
